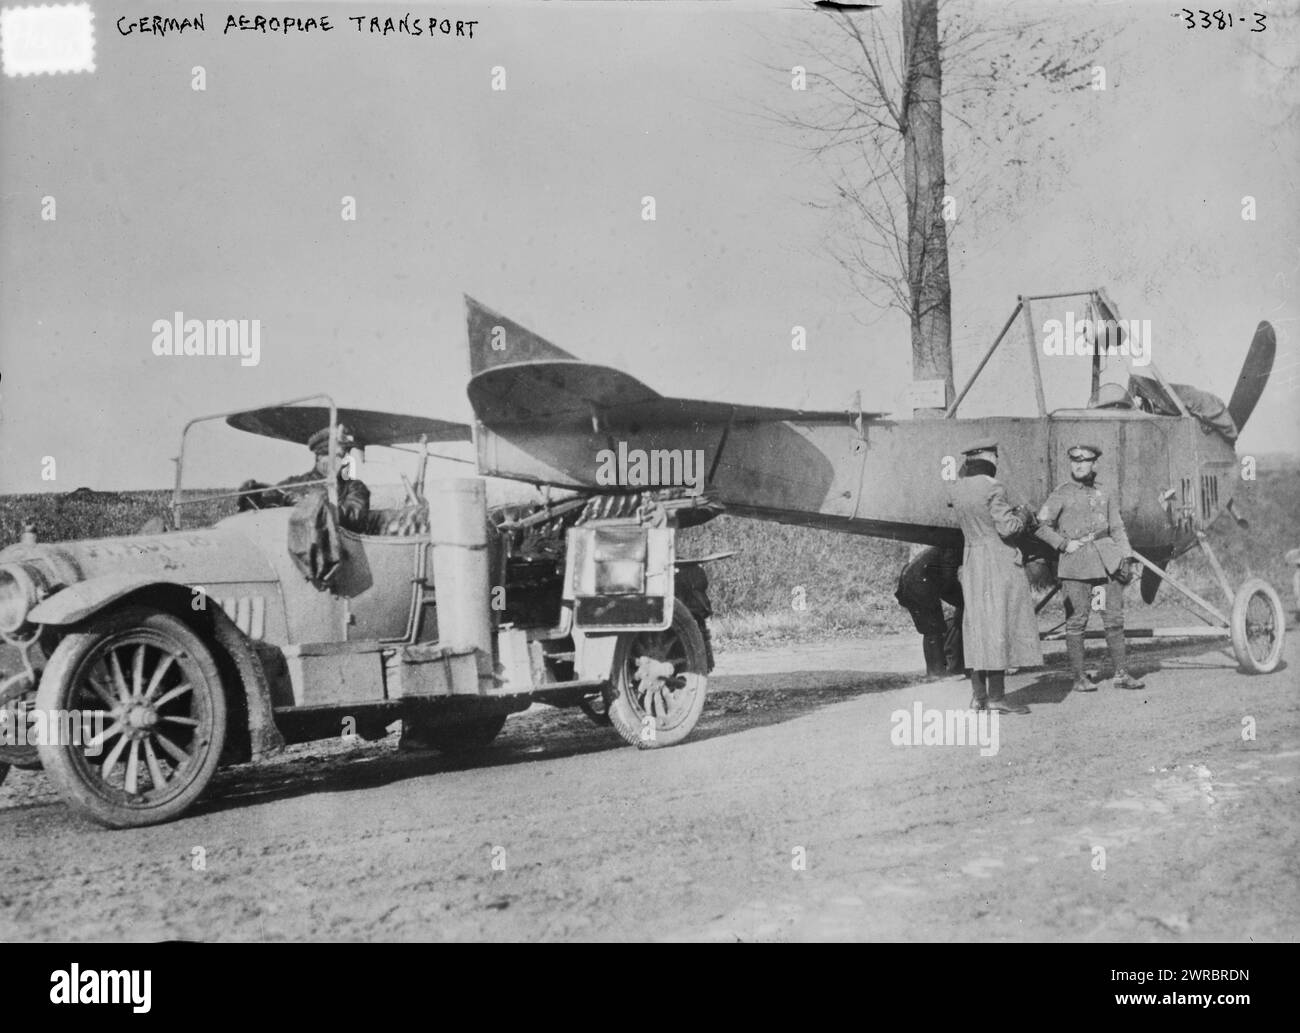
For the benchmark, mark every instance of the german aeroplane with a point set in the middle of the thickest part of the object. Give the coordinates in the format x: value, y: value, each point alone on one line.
x: 544, y: 416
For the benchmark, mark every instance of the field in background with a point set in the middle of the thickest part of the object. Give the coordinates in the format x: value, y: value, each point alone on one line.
x: 845, y: 582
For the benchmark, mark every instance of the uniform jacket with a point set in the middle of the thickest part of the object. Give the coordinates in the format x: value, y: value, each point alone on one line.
x: 999, y: 627
x: 354, y: 499
x: 1075, y: 510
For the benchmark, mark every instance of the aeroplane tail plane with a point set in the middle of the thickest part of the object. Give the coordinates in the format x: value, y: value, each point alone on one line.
x: 518, y: 377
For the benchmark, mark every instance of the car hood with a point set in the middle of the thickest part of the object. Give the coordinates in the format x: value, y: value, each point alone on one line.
x: 227, y: 553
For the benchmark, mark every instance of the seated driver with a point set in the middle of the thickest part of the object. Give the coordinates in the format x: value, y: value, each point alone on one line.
x: 354, y: 496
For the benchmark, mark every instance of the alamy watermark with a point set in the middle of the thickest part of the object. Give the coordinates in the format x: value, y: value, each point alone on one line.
x: 28, y: 726
x: 930, y: 727
x: 73, y: 985
x: 1130, y: 338
x: 181, y: 336
x: 658, y: 467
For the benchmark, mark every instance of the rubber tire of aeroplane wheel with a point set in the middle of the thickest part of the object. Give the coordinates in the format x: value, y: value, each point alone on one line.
x: 54, y: 694
x: 4, y: 771
x: 624, y: 716
x: 1240, y: 646
x: 465, y: 735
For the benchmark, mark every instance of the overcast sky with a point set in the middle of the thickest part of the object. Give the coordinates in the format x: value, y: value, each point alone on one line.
x: 225, y: 204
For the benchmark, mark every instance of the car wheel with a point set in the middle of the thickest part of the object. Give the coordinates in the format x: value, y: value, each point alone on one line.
x: 1258, y: 626
x: 147, y: 693
x: 659, y: 682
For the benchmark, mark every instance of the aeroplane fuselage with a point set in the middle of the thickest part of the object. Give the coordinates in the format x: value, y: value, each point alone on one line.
x: 548, y: 418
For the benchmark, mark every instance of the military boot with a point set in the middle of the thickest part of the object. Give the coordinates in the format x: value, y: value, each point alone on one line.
x: 997, y: 681
x: 1115, y: 643
x: 980, y: 693
x: 1074, y: 647
x: 936, y: 664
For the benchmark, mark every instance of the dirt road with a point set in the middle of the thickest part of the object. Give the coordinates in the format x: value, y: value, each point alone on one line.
x: 789, y: 815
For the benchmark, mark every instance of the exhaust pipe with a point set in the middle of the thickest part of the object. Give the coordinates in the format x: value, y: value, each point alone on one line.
x: 458, y: 530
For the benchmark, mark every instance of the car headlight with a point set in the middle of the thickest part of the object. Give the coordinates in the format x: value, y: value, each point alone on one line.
x: 18, y: 594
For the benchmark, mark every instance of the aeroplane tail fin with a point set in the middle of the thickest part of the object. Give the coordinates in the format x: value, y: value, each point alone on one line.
x: 495, y: 340
x: 1254, y: 374
x: 518, y: 376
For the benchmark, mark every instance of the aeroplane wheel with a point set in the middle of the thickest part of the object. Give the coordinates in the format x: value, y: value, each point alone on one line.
x: 149, y: 694
x: 659, y: 682
x: 1258, y: 626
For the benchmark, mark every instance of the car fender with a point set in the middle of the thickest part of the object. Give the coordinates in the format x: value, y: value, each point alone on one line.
x: 80, y: 601
x: 264, y: 738
x: 77, y: 602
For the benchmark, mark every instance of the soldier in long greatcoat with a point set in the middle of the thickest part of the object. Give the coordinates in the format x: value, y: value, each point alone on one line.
x: 999, y: 629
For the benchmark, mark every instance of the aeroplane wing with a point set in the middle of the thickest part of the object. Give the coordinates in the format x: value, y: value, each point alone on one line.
x: 519, y: 377
x: 297, y: 423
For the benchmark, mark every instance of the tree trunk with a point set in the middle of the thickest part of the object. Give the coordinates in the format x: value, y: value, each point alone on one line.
x: 923, y: 179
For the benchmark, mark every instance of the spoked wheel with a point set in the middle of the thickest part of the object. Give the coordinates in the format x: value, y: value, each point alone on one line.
x: 138, y: 703
x: 659, y: 684
x: 1258, y: 626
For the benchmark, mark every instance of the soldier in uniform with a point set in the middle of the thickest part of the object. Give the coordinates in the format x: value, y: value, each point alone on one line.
x: 999, y: 629
x: 354, y: 496
x: 929, y: 580
x: 1082, y: 521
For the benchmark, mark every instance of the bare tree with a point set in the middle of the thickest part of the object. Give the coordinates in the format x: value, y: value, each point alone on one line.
x: 875, y: 117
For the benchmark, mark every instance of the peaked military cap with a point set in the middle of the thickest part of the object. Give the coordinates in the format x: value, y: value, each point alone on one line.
x: 1084, y: 452
x: 319, y: 442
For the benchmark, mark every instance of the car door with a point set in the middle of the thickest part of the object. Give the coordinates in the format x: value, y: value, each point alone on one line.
x: 380, y: 580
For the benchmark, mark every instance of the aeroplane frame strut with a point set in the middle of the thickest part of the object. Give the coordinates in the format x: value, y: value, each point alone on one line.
x: 1256, y: 635
x: 1200, y: 601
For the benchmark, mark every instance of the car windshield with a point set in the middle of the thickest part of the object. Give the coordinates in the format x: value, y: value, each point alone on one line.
x: 219, y: 461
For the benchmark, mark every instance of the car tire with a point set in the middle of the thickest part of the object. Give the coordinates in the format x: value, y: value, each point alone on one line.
x: 156, y: 688
x: 659, y: 710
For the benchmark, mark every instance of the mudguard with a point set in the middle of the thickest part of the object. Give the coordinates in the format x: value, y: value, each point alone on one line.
x: 77, y: 602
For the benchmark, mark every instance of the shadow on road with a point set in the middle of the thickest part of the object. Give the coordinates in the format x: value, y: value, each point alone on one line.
x: 735, y: 704
x: 1052, y: 685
